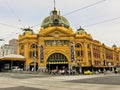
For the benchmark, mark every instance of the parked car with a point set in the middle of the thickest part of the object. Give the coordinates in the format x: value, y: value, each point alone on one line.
x: 117, y: 69
x: 88, y: 72
x: 16, y: 68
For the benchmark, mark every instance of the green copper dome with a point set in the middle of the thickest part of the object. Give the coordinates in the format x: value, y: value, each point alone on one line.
x: 55, y: 20
x: 80, y: 31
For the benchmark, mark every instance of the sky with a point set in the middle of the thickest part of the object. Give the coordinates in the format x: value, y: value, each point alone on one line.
x: 100, y: 18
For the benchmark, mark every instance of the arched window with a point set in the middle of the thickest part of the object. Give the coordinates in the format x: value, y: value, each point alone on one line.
x: 33, y: 51
x: 88, y: 46
x: 79, y: 53
x: 22, y: 47
x: 78, y: 45
x: 22, y: 50
x: 33, y: 46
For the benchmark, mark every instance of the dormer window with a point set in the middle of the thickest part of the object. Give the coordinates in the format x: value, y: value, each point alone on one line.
x: 56, y: 22
x: 54, y: 12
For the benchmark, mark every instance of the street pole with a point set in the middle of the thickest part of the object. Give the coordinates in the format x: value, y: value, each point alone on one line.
x: 35, y: 64
x: 11, y: 65
x: 104, y: 64
x: 80, y: 69
x: 35, y: 56
x: 92, y: 68
x: 49, y: 66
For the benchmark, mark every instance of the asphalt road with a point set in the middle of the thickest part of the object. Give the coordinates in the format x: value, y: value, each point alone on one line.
x: 21, y: 88
x: 18, y: 81
x: 108, y: 80
x: 23, y: 75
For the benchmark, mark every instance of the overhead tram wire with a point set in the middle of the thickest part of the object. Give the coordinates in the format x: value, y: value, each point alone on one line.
x: 63, y: 15
x: 76, y: 10
x: 54, y: 8
x: 9, y: 25
x: 19, y: 20
x: 11, y: 35
x: 34, y: 25
x: 109, y: 20
x: 90, y: 5
x: 12, y: 11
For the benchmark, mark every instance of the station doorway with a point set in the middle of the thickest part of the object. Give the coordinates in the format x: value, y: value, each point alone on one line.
x: 57, y: 66
x: 57, y: 60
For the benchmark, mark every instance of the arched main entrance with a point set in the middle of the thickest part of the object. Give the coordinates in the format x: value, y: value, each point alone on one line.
x: 57, y: 60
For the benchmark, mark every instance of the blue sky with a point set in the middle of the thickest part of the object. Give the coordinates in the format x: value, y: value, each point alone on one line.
x: 24, y: 13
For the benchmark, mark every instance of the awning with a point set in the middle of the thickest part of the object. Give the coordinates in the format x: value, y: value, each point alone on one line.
x: 14, y: 57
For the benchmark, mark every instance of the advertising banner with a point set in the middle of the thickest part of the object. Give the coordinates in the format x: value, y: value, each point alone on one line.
x: 41, y: 53
x: 72, y: 52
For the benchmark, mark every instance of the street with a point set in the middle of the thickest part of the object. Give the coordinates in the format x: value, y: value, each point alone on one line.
x: 17, y: 81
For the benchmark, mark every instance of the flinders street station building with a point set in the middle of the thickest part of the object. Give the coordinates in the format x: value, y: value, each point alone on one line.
x: 56, y: 45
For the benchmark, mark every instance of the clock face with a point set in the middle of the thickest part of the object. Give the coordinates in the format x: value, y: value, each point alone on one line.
x: 56, y: 34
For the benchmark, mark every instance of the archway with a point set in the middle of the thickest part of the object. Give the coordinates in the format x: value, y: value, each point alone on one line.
x: 57, y: 60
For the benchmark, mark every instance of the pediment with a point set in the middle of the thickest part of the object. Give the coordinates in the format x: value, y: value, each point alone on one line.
x: 54, y: 31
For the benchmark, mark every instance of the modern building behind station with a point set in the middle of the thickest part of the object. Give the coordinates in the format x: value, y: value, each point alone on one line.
x: 10, y: 48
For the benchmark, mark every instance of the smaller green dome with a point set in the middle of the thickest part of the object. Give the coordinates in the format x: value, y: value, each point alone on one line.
x: 28, y: 30
x: 114, y: 46
x: 80, y: 31
x: 55, y: 20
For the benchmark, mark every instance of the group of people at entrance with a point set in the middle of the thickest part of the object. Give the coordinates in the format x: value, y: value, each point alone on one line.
x: 62, y: 71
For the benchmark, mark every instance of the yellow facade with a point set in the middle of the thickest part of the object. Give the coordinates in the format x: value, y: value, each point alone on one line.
x: 57, y: 44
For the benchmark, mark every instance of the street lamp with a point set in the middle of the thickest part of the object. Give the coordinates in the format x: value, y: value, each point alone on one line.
x: 92, y: 67
x: 49, y: 66
x: 35, y: 64
x: 35, y: 58
x: 104, y: 65
x: 11, y: 65
x: 80, y: 66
